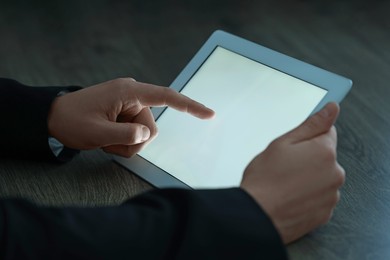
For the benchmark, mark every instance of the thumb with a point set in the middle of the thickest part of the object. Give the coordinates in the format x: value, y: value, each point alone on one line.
x: 317, y: 124
x: 125, y: 133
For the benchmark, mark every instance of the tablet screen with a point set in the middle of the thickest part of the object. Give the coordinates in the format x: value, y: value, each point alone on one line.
x: 254, y: 104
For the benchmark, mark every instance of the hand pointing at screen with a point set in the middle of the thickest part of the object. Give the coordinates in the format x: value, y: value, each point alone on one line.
x: 115, y: 115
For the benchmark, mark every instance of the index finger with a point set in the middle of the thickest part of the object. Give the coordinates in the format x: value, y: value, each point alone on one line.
x: 156, y: 96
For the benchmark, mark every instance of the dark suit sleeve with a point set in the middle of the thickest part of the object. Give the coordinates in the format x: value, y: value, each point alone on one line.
x: 23, y: 112
x: 161, y: 224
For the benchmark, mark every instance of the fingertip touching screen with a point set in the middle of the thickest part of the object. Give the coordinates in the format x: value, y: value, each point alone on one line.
x: 254, y: 104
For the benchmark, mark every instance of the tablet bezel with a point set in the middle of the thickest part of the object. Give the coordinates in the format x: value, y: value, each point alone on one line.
x: 337, y: 88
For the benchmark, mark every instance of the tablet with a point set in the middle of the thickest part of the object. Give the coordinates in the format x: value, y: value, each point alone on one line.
x: 258, y: 95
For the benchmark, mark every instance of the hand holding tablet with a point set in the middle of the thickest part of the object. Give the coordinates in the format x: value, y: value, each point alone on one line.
x: 257, y: 94
x: 296, y: 180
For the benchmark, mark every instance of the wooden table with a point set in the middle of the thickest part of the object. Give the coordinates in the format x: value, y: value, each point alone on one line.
x: 81, y: 43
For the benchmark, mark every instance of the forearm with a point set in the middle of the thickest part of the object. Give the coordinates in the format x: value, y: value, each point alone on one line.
x: 24, y: 112
x: 163, y: 224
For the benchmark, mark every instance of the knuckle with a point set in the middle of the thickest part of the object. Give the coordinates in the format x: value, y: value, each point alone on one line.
x: 275, y: 144
x: 340, y: 176
x: 330, y: 154
x: 120, y: 81
x: 125, y: 81
x: 337, y: 198
x: 274, y: 148
x: 121, y: 84
x: 166, y: 91
x: 334, y: 200
x: 328, y: 150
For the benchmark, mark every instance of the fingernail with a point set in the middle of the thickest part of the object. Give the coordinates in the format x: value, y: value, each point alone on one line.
x: 145, y: 133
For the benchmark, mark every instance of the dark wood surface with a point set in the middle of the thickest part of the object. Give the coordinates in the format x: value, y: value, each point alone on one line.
x: 82, y: 43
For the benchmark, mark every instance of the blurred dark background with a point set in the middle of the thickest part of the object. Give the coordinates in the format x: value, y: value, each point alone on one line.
x: 84, y: 42
x: 46, y: 42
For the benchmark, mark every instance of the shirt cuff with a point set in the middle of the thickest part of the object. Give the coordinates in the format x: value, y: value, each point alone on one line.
x: 61, y: 152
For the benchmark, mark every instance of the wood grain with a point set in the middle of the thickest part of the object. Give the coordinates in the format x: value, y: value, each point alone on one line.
x: 82, y: 43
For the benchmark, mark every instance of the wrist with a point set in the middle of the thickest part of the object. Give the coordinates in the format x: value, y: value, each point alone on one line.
x: 52, y: 118
x: 59, y: 150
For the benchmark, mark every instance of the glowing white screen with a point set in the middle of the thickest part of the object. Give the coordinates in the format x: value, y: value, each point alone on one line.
x: 254, y: 104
